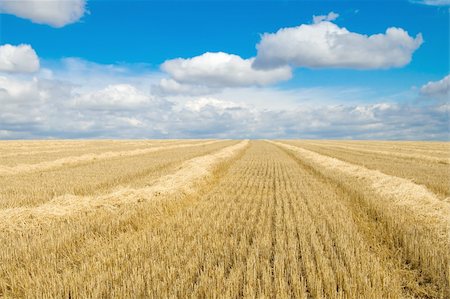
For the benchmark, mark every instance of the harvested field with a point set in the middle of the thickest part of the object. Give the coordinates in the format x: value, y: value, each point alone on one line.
x: 61, y: 150
x: 84, y: 175
x: 224, y: 219
x: 424, y: 163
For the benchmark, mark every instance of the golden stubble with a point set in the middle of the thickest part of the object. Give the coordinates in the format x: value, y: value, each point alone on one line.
x: 236, y: 220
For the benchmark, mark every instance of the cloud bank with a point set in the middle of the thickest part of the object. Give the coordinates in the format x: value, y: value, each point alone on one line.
x: 56, y: 13
x: 20, y: 59
x: 40, y: 105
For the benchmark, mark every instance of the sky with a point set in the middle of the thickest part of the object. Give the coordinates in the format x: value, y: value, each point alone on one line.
x: 224, y: 69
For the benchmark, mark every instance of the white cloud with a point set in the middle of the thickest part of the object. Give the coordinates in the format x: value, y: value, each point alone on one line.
x: 21, y: 58
x: 222, y: 70
x: 21, y: 90
x: 119, y: 96
x: 208, y: 102
x: 171, y: 87
x: 437, y: 89
x: 34, y: 107
x: 47, y: 105
x: 433, y: 2
x: 133, y: 122
x: 273, y: 98
x: 214, y: 118
x: 56, y: 13
x: 326, y: 45
x: 330, y: 17
x: 27, y: 102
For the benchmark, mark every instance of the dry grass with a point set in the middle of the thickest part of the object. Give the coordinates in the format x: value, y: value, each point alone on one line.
x: 86, y: 158
x: 181, y: 181
x: 416, y: 220
x: 424, y: 163
x: 229, y: 220
x: 96, y: 176
x: 11, y: 155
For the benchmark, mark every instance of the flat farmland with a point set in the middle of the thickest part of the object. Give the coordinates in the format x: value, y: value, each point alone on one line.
x: 224, y: 219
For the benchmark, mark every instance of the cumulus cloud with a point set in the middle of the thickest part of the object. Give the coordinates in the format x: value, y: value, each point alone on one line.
x: 437, y: 89
x: 21, y: 58
x: 222, y: 70
x: 323, y: 44
x: 56, y: 13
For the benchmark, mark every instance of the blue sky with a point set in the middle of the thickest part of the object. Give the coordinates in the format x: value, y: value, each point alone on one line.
x: 112, y: 48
